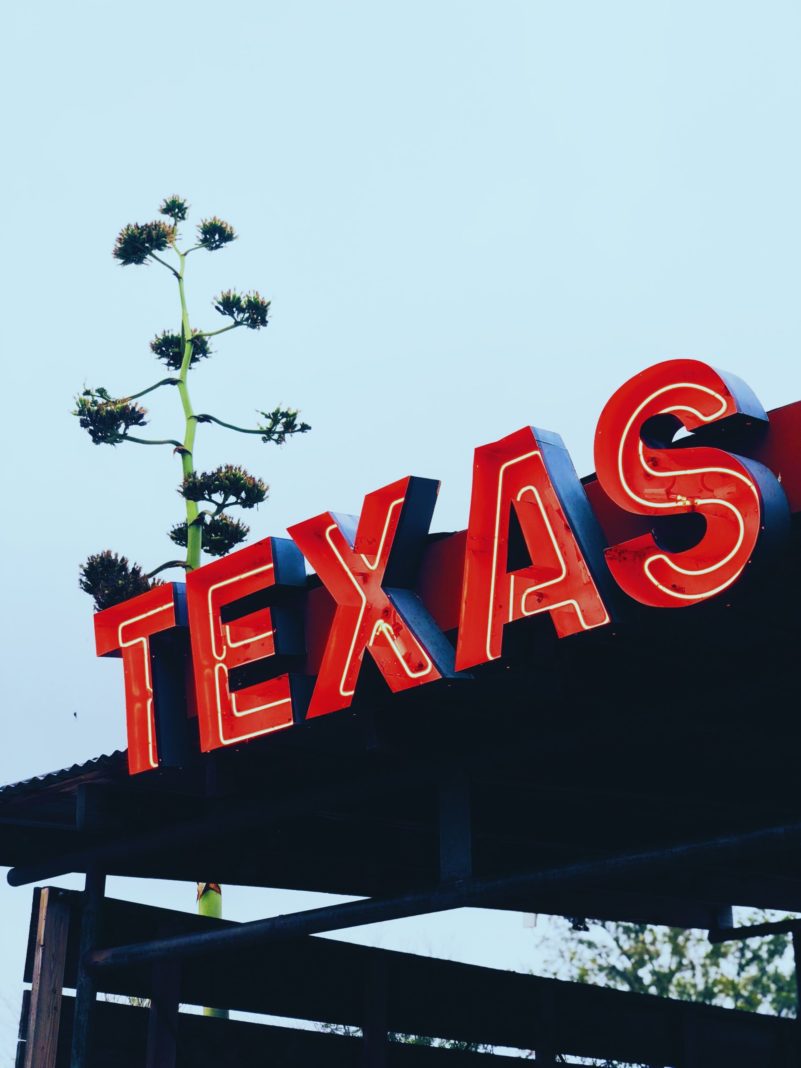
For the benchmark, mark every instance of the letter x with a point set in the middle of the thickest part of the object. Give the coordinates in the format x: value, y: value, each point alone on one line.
x: 369, y: 566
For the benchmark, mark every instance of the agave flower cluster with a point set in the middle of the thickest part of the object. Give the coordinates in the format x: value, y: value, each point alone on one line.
x: 169, y: 348
x: 244, y: 309
x: 221, y: 534
x: 227, y: 486
x: 138, y: 241
x: 106, y: 420
x: 109, y: 419
x: 213, y: 233
x: 109, y: 578
x: 281, y: 424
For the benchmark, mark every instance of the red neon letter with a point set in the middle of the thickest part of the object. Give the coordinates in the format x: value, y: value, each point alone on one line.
x: 125, y: 629
x: 528, y: 471
x: 733, y: 497
x: 223, y: 639
x: 368, y: 570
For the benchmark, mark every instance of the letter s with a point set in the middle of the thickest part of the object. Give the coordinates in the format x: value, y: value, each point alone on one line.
x: 735, y: 498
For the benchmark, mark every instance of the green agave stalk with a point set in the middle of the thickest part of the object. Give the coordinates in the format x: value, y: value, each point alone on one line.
x: 194, y: 531
x: 209, y: 903
x: 109, y: 420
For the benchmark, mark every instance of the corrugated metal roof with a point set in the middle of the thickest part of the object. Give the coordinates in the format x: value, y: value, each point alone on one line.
x: 106, y: 763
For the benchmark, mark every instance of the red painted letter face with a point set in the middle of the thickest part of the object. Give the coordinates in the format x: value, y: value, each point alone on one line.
x: 125, y: 629
x: 732, y: 497
x: 369, y: 570
x: 528, y: 472
x: 226, y: 636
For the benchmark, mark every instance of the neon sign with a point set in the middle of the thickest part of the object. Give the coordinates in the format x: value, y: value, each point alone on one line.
x: 736, y: 498
x: 527, y: 476
x: 263, y: 649
x: 369, y: 567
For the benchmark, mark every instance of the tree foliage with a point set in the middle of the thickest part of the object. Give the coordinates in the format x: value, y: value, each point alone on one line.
x: 109, y: 418
x: 410, y: 1040
x: 755, y: 975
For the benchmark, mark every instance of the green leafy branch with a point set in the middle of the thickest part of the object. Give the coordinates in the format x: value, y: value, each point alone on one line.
x: 114, y: 420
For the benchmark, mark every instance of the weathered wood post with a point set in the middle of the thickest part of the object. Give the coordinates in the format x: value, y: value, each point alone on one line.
x: 797, y: 963
x: 374, y: 1026
x: 50, y: 955
x: 86, y: 986
x: 162, y: 1025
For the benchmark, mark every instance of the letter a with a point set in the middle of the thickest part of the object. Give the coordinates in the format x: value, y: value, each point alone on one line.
x: 528, y: 473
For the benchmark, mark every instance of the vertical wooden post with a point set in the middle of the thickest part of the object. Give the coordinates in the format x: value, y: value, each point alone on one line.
x: 455, y: 828
x: 22, y: 1035
x: 797, y: 958
x: 86, y: 987
x: 690, y: 1045
x: 50, y: 955
x: 162, y: 1024
x: 374, y: 1027
x: 545, y: 1055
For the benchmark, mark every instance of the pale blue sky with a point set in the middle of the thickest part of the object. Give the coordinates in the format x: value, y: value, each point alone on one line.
x: 469, y: 217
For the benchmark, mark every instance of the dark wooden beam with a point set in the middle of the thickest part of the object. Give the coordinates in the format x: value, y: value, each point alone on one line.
x: 453, y: 895
x: 205, y: 1042
x: 317, y: 979
x: 227, y: 818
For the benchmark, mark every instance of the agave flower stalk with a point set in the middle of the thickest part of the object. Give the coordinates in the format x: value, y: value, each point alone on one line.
x: 110, y: 420
x: 194, y: 532
x: 209, y: 903
x: 114, y: 420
